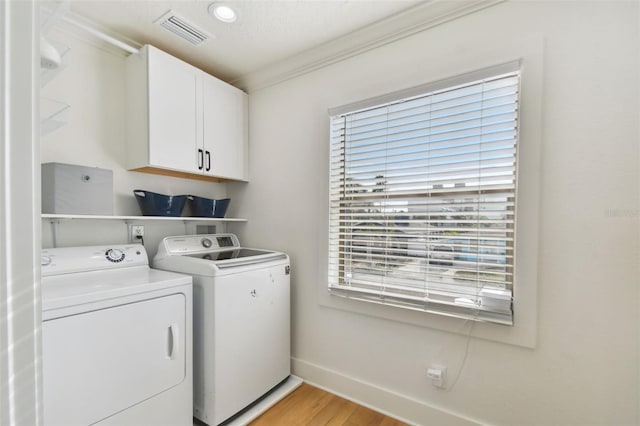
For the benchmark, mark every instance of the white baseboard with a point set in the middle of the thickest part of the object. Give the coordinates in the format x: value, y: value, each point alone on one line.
x: 387, y: 402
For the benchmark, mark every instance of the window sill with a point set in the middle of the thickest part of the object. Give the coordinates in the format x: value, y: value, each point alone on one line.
x: 522, y: 333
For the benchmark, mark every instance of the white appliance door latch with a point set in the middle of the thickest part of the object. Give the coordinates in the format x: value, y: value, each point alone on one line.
x: 172, y: 341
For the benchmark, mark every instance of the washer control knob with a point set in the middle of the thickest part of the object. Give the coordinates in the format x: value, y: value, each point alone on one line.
x: 206, y: 242
x: 45, y: 260
x: 114, y: 255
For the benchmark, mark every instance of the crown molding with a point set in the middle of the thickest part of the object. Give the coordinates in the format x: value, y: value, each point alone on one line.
x: 396, y: 27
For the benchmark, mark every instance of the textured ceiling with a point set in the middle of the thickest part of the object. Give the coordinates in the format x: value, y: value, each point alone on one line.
x: 267, y: 31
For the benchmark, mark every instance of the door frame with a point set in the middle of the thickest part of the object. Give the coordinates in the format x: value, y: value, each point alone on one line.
x: 20, y: 223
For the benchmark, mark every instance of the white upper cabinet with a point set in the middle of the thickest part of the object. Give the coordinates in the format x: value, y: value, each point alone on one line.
x: 182, y: 121
x: 224, y: 119
x: 172, y: 102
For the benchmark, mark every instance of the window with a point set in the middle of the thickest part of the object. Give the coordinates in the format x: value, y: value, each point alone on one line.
x: 423, y: 196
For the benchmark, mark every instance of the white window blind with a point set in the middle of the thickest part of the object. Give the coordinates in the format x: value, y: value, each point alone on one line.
x: 422, y: 198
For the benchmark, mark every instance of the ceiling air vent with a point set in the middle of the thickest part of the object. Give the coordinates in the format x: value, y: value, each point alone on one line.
x: 183, y: 28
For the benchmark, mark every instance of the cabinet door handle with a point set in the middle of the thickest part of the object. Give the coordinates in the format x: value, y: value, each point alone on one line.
x: 208, y: 160
x: 200, y: 160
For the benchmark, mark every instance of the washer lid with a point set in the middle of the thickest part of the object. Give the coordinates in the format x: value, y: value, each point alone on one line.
x: 61, y: 291
x: 238, y: 257
x: 238, y: 253
x: 209, y: 254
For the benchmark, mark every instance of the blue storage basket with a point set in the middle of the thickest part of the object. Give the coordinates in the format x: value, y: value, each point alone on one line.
x: 154, y: 204
x: 207, y: 207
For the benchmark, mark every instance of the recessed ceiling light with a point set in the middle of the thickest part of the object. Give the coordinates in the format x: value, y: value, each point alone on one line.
x: 222, y: 12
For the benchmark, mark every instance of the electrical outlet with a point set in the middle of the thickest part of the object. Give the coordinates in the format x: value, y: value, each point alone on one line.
x: 136, y: 232
x: 437, y: 375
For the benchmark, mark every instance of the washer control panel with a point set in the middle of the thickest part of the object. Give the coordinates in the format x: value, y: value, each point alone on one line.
x: 55, y: 261
x: 199, y: 243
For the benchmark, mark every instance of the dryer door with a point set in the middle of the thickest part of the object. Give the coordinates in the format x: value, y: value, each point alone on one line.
x: 98, y: 363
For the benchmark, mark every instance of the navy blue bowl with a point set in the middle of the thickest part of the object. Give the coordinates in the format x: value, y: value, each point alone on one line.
x: 153, y: 204
x: 206, y: 207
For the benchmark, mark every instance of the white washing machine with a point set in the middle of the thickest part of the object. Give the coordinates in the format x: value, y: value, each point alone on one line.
x: 241, y: 320
x: 117, y: 339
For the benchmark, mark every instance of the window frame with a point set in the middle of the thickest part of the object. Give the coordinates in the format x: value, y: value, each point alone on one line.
x: 523, y: 333
x: 373, y: 272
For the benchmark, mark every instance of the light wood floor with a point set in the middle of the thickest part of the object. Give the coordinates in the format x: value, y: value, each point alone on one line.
x: 310, y: 406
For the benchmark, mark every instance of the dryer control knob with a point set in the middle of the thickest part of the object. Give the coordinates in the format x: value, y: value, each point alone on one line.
x: 206, y: 242
x: 114, y: 255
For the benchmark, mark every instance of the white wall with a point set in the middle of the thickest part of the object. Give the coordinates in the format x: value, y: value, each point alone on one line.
x: 93, y: 85
x: 584, y: 368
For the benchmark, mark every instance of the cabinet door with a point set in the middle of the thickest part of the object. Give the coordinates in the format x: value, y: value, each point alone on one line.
x: 224, y: 129
x: 173, y: 106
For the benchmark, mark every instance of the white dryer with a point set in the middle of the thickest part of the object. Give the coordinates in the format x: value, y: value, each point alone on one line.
x: 117, y: 339
x: 241, y: 320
